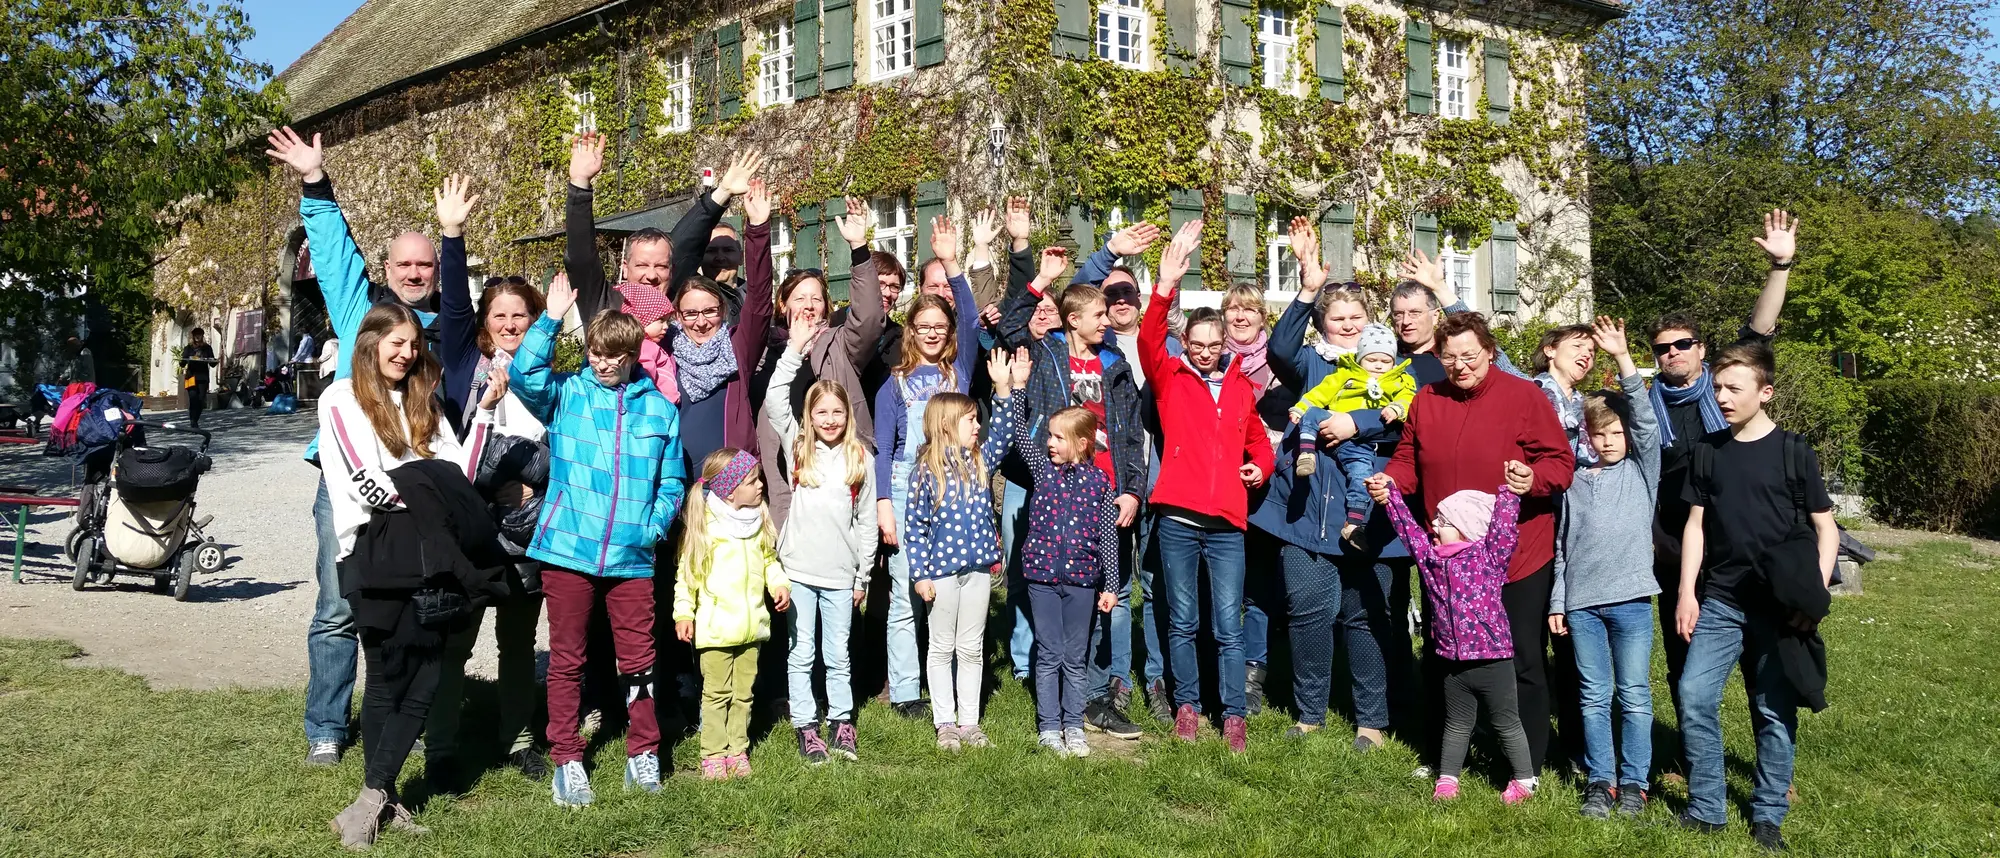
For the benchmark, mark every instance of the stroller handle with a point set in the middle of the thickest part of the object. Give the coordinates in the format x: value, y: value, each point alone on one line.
x: 186, y: 430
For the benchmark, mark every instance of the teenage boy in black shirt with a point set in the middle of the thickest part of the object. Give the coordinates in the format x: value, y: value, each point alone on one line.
x: 1740, y: 505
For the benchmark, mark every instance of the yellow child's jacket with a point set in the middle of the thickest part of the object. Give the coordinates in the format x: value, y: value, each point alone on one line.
x: 726, y: 602
x: 1347, y: 389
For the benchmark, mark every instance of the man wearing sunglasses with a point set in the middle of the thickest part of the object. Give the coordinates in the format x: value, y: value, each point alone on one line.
x: 1684, y: 399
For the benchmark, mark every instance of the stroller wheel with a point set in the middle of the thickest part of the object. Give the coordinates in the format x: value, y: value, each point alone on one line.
x: 73, y: 543
x: 163, y: 583
x: 208, y: 557
x: 183, y: 576
x: 86, y: 556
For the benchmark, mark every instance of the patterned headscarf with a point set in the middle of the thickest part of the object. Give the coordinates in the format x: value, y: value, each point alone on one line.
x: 740, y: 467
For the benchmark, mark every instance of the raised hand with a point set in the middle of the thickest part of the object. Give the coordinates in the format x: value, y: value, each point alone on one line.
x: 1305, y: 246
x: 757, y: 204
x: 743, y: 165
x: 1610, y: 336
x: 1019, y: 221
x: 1519, y: 477
x: 996, y: 369
x: 854, y: 224
x: 586, y: 158
x: 985, y: 228
x: 304, y: 159
x: 1418, y: 267
x: 944, y: 240
x: 1781, y: 236
x: 1176, y: 258
x: 803, y: 330
x: 1055, y: 261
x: 561, y: 297
x: 453, y: 205
x: 1019, y: 368
x: 1134, y: 240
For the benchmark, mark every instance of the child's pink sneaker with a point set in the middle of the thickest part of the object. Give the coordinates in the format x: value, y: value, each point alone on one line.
x: 739, y: 765
x: 1516, y: 793
x: 1447, y: 789
x: 714, y: 768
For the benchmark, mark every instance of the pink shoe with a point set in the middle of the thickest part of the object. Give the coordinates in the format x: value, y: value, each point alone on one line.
x: 1236, y: 733
x: 1186, y: 722
x: 1516, y: 793
x: 714, y: 768
x: 739, y: 765
x: 1447, y: 789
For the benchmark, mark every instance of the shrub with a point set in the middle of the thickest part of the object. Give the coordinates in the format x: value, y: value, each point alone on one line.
x: 569, y: 354
x: 1934, y: 453
x: 1815, y: 401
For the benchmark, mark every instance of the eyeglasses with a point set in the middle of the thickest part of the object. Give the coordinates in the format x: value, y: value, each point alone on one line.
x: 1411, y: 315
x: 711, y: 314
x: 1462, y: 360
x: 1684, y: 344
x: 933, y: 330
x: 1204, y: 347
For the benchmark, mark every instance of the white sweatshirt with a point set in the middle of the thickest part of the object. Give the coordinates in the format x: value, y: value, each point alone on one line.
x: 357, y: 470
x: 830, y: 538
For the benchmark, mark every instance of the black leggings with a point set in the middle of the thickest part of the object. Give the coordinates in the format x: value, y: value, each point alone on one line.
x: 1527, y: 603
x: 394, y: 704
x: 197, y: 401
x: 1467, y: 684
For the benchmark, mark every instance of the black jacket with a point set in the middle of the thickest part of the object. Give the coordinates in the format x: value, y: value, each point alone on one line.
x: 442, y: 537
x: 1803, y: 601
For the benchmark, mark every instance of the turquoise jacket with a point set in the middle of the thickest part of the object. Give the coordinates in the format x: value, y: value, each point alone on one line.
x: 616, y: 472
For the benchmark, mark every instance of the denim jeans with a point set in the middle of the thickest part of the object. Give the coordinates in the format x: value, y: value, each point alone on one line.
x: 1722, y: 635
x: 332, y: 645
x: 905, y: 663
x: 1013, y: 530
x: 1064, y: 613
x: 1152, y: 616
x: 821, y: 622
x: 1183, y: 548
x: 1614, y: 651
x: 1111, y: 639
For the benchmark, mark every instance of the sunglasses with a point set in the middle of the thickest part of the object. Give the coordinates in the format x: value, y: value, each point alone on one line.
x: 1681, y: 345
x: 809, y: 272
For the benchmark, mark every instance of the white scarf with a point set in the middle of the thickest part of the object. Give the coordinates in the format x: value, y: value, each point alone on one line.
x: 733, y: 522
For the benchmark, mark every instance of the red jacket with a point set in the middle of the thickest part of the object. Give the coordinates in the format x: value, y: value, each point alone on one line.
x: 1199, y: 461
x: 1457, y: 439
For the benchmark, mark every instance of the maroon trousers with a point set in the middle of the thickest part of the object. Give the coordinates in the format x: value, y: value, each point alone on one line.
x: 571, y: 597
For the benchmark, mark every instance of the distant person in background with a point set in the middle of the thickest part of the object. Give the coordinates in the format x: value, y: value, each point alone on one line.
x: 196, y: 358
x: 79, y: 364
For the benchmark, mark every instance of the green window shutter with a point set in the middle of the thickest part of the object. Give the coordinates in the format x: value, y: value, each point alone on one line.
x: 837, y: 25
x: 839, y: 267
x: 1183, y: 205
x: 1082, y: 231
x: 1506, y: 265
x: 1424, y: 234
x: 729, y: 41
x: 1076, y: 30
x: 704, y: 79
x: 1184, y: 35
x: 1238, y: 48
x: 1329, y: 54
x: 805, y: 52
x: 1242, y: 225
x: 1420, y: 79
x: 1336, y: 240
x: 930, y: 203
x: 929, y: 27
x: 1499, y: 101
x: 805, y: 238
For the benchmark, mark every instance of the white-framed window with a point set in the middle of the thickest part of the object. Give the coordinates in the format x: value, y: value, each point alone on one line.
x: 677, y: 106
x: 895, y: 228
x: 1118, y: 218
x: 1456, y: 260
x: 774, y: 71
x: 894, y: 39
x: 1121, y: 32
x: 1281, y: 268
x: 584, y: 102
x: 1454, y: 78
x: 1276, y: 39
x: 781, y: 245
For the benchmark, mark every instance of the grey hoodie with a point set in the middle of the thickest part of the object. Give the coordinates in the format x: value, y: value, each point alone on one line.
x: 1604, y: 538
x: 829, y: 539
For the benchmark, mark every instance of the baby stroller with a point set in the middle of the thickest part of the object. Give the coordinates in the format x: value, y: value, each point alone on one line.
x: 139, y: 521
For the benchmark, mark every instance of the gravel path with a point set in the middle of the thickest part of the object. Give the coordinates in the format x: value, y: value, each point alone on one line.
x: 242, y: 626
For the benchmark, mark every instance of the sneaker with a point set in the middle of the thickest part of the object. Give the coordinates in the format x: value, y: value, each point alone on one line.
x: 1597, y: 800
x: 642, y: 771
x: 973, y: 737
x: 812, y: 748
x: 1517, y: 792
x: 1767, y: 835
x: 323, y: 754
x: 1074, y: 742
x: 1053, y: 741
x: 1103, y: 717
x: 912, y: 709
x: 714, y: 768
x: 1253, y: 688
x: 1447, y: 789
x: 1186, y: 722
x: 571, y: 786
x: 1689, y: 823
x: 738, y: 765
x: 843, y: 740
x: 1121, y: 695
x: 1631, y: 800
x: 1236, y: 733
x: 530, y: 763
x: 1301, y: 730
x: 947, y: 738
x: 1158, y: 703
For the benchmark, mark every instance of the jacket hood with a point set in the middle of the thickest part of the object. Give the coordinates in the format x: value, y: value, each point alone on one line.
x: 1106, y: 352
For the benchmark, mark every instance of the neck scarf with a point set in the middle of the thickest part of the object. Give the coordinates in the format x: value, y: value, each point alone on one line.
x: 1569, y: 412
x: 704, y: 367
x: 732, y: 522
x: 1329, y: 352
x: 1251, y: 357
x: 1700, y: 391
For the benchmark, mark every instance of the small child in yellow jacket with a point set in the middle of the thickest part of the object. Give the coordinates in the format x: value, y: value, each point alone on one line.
x: 1369, y: 378
x: 729, y: 560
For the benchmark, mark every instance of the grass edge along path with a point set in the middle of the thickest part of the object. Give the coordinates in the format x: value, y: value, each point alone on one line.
x: 1907, y: 762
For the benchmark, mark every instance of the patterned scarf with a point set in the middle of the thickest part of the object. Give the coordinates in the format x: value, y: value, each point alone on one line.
x: 1569, y: 412
x: 1700, y: 391
x: 704, y: 367
x: 487, y: 363
x: 1252, y: 358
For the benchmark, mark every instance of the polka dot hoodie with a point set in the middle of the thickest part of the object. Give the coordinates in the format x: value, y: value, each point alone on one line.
x: 953, y: 526
x: 1072, y: 519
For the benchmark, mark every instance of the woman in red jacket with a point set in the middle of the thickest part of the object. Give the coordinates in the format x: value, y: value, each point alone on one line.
x: 1206, y: 405
x: 1462, y: 433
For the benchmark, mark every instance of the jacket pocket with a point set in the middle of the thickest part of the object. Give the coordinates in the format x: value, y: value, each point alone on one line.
x: 548, y: 519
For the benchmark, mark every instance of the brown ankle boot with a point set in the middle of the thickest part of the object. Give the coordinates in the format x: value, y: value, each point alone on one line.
x: 361, y: 821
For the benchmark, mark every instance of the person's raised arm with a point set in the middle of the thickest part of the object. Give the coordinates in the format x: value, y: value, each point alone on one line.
x: 1503, y: 533
x: 337, y: 262
x: 1130, y: 241
x: 964, y: 307
x: 1154, y: 325
x: 1040, y: 471
x: 690, y: 235
x: 1780, y: 242
x: 866, y: 317
x: 458, y: 319
x: 1413, y: 535
x: 778, y: 409
x: 979, y: 263
x: 531, y: 375
x: 1017, y: 307
x: 1419, y: 268
x: 753, y: 324
x: 580, y: 259
x: 1288, y: 339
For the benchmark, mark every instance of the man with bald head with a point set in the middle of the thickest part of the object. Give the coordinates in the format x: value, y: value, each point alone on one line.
x: 410, y: 278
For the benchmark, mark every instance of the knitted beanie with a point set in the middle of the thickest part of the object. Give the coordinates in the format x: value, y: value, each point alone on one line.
x: 1469, y: 511
x: 1376, y: 338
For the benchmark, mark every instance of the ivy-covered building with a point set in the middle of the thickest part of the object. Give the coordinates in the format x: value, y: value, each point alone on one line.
x: 1454, y: 127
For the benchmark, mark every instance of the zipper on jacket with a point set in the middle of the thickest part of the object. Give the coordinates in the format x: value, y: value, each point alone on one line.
x: 617, y: 474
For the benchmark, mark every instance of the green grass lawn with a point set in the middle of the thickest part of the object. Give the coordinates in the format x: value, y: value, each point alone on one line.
x: 1907, y: 762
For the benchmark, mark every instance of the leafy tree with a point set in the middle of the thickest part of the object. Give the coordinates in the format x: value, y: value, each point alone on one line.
x: 120, y: 114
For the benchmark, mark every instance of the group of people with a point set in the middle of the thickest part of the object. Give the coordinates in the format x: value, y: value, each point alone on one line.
x: 741, y: 454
